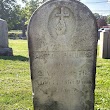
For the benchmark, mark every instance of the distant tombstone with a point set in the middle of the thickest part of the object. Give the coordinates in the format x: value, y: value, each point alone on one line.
x: 4, y: 49
x: 104, y: 46
x: 62, y: 36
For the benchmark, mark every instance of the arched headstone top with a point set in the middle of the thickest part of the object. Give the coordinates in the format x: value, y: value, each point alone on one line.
x: 58, y: 19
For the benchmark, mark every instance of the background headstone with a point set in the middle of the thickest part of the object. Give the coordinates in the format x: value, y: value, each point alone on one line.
x: 3, y: 34
x: 62, y: 37
x: 104, y: 45
x: 4, y: 49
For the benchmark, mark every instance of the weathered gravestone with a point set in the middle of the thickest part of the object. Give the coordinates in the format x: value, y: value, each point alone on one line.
x: 62, y: 37
x: 4, y: 49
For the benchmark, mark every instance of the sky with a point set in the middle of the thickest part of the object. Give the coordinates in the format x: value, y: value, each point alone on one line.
x: 96, y: 6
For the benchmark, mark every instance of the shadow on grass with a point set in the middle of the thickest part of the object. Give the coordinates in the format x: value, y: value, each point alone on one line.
x: 98, y: 66
x: 15, y: 58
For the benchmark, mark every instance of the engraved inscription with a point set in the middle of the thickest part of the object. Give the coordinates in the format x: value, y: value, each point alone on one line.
x: 69, y: 54
x: 72, y: 82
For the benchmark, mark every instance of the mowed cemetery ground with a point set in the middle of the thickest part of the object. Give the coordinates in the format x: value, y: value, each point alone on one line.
x: 15, y: 81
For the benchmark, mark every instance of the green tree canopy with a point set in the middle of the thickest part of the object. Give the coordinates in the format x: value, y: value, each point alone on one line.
x: 14, y: 14
x: 6, y: 7
x: 108, y: 19
x: 97, y: 16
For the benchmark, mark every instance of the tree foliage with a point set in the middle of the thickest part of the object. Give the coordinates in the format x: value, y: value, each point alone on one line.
x: 30, y: 8
x: 108, y: 19
x: 14, y: 14
x: 101, y: 22
x: 97, y: 16
x: 17, y: 16
x: 6, y: 7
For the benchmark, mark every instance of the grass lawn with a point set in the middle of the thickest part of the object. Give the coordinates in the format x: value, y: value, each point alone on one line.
x: 102, y: 91
x: 15, y: 83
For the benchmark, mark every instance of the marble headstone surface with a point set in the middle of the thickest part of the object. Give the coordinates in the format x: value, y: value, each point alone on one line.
x: 3, y: 34
x: 62, y: 38
x: 4, y: 49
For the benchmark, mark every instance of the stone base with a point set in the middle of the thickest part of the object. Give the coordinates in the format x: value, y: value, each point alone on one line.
x: 24, y: 38
x: 6, y: 52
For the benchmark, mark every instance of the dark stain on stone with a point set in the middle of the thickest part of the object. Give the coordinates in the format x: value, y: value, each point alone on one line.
x: 49, y: 105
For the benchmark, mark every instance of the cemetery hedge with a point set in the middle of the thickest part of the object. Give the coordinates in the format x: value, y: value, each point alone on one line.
x: 14, y: 34
x: 15, y: 83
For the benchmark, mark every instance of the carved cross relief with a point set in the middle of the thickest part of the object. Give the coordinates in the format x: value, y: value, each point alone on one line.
x: 61, y: 25
x: 62, y: 14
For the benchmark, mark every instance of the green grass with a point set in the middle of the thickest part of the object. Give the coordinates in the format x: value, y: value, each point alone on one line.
x: 102, y: 92
x: 15, y: 83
